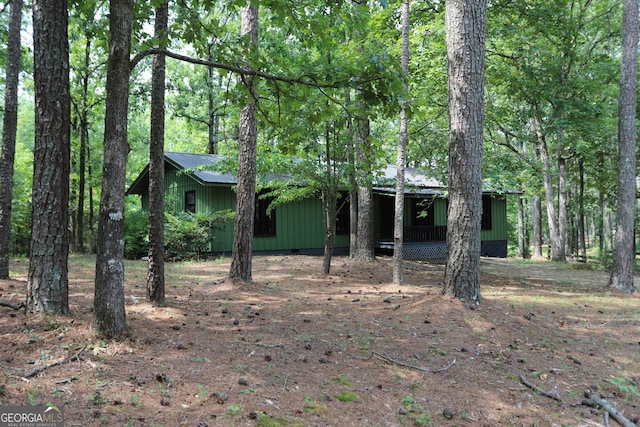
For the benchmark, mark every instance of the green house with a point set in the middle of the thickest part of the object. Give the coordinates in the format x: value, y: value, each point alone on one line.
x: 297, y: 227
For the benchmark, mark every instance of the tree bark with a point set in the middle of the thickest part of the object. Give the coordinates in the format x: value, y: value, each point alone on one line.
x: 398, y: 221
x: 109, y: 318
x: 9, y: 132
x: 84, y: 141
x: 48, y: 285
x: 624, y: 254
x: 364, y: 248
x: 329, y: 192
x: 247, y: 152
x: 465, y: 28
x: 155, y: 270
x: 536, y: 219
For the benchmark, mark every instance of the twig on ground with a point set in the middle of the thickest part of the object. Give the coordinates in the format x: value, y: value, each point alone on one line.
x: 270, y: 345
x: 551, y: 394
x: 418, y: 368
x: 36, y: 371
x: 14, y: 306
x: 594, y: 400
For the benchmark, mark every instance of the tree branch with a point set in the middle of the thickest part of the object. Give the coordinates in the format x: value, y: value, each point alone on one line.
x: 596, y: 401
x: 36, y: 371
x: 551, y: 394
x: 14, y: 306
x: 418, y: 368
x: 305, y: 80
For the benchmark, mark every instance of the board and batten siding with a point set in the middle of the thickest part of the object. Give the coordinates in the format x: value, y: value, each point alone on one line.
x: 498, y: 220
x: 299, y: 225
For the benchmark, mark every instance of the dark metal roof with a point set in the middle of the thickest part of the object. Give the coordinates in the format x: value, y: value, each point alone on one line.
x: 200, y: 166
x: 197, y: 163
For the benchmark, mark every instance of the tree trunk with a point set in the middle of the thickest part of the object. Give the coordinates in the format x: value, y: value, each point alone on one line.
x: 557, y: 246
x: 329, y: 199
x: 563, y: 216
x: 364, y: 248
x: 523, y: 241
x: 398, y: 222
x: 353, y: 185
x: 247, y: 147
x: 536, y: 219
x: 9, y: 131
x: 465, y: 28
x: 48, y: 285
x: 155, y: 271
x: 84, y: 141
x: 109, y: 318
x: 623, y: 254
x: 582, y: 234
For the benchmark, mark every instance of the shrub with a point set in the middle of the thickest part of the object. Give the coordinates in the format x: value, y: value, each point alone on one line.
x: 136, y: 234
x: 188, y: 235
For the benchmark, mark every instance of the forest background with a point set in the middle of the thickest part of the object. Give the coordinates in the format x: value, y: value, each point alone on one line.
x: 552, y: 81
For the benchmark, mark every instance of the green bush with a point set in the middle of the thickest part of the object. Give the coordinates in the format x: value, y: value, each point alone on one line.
x: 188, y: 235
x: 136, y: 234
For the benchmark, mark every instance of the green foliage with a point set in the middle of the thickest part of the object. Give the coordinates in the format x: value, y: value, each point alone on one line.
x: 136, y: 234
x: 188, y: 235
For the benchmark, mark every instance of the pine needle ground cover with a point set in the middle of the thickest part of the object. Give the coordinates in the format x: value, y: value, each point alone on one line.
x: 299, y: 348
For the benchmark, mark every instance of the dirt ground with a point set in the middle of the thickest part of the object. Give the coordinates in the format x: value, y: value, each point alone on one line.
x: 299, y: 348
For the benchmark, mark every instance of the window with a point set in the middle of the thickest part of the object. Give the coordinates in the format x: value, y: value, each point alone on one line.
x: 486, y: 212
x: 343, y: 217
x: 190, y: 201
x: 264, y: 225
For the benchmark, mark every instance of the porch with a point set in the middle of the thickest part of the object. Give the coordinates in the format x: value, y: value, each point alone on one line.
x: 420, y: 242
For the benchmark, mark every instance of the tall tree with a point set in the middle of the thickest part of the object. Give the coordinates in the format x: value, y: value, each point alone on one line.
x: 108, y: 307
x: 9, y: 131
x: 48, y: 285
x: 465, y: 28
x: 155, y: 271
x: 398, y: 229
x: 247, y: 152
x: 624, y: 253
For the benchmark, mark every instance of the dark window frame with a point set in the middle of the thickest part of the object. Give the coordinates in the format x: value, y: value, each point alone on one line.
x: 264, y: 224
x: 486, y: 221
x: 190, y: 205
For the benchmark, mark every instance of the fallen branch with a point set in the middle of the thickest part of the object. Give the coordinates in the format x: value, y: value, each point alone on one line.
x: 280, y: 345
x: 14, y: 306
x: 418, y: 368
x: 594, y: 400
x: 36, y: 371
x: 551, y: 394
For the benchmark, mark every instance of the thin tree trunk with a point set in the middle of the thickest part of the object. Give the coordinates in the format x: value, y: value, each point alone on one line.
x: 247, y: 152
x: 536, y: 219
x: 523, y: 243
x: 84, y: 141
x: 9, y: 131
x: 329, y: 198
x: 155, y: 271
x: 582, y: 234
x: 563, y: 216
x: 552, y: 220
x: 624, y: 254
x: 465, y: 28
x: 48, y: 285
x: 109, y: 318
x: 398, y: 222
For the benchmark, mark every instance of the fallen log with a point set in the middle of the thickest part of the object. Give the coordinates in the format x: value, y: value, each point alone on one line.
x: 594, y: 400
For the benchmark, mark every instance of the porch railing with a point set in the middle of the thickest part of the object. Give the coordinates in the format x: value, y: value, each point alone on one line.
x: 425, y: 233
